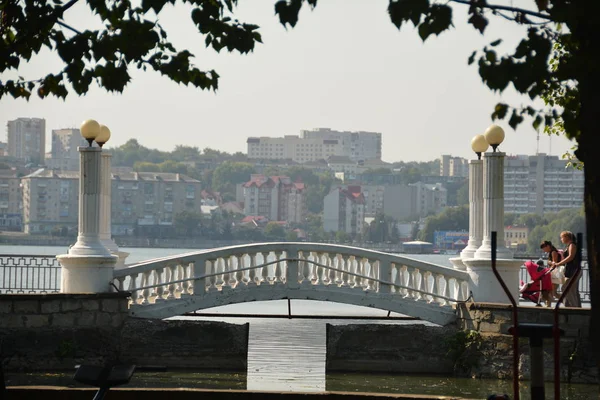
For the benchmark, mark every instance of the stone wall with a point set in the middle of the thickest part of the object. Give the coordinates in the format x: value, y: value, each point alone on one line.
x: 59, y: 331
x: 389, y: 348
x: 492, y: 321
x: 477, y: 346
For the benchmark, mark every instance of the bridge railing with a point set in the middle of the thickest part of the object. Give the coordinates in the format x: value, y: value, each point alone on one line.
x: 295, y: 265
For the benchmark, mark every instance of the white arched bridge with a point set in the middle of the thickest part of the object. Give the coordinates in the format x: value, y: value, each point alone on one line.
x: 171, y: 286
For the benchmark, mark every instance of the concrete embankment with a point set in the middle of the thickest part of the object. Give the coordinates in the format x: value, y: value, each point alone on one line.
x: 59, y: 331
x: 478, y: 345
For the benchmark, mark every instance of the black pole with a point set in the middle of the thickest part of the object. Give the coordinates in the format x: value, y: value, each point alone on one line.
x: 514, y: 330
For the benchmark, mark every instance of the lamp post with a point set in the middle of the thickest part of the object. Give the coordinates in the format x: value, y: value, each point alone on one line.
x: 493, y: 197
x: 88, y: 266
x: 483, y: 283
x: 478, y: 145
x: 105, y: 199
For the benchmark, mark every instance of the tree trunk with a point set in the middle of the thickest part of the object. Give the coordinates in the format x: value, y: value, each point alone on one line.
x: 588, y: 37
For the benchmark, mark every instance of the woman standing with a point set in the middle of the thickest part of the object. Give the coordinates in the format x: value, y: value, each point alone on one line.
x: 572, y: 268
x: 553, y: 257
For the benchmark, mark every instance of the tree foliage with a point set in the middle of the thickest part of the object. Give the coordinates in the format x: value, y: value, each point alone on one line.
x: 131, y: 37
x: 227, y: 175
x: 451, y: 219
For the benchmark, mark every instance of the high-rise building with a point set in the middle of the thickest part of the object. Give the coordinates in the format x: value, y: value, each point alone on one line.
x: 26, y: 139
x: 318, y: 144
x: 274, y: 197
x: 344, y: 210
x: 541, y: 184
x: 454, y: 166
x: 64, y: 155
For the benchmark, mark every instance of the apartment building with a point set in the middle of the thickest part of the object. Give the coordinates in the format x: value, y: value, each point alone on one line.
x: 344, y: 210
x: 359, y: 146
x: 26, y: 139
x: 151, y: 200
x: 144, y: 199
x: 50, y: 199
x: 541, y: 184
x: 318, y: 144
x: 64, y: 155
x: 454, y: 166
x: 414, y: 200
x: 274, y: 197
x: 292, y: 147
x: 11, y: 204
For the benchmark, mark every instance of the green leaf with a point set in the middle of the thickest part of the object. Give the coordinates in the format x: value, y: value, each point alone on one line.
x: 496, y: 42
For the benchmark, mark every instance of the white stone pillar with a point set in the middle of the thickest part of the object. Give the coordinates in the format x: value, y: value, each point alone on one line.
x: 89, y: 265
x: 106, y: 210
x: 475, y: 209
x: 493, y: 207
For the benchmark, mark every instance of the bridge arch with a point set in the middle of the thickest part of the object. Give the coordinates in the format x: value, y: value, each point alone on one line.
x: 171, y: 286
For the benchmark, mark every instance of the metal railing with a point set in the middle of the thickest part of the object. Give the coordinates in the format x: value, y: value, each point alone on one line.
x: 41, y: 274
x: 29, y: 274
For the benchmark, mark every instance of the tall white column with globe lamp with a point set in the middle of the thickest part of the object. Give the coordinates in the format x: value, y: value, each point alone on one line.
x: 483, y: 283
x: 88, y: 266
x: 479, y: 145
x: 493, y: 196
x: 105, y: 202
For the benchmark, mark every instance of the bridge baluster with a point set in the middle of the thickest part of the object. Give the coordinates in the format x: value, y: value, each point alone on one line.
x: 371, y: 274
x: 359, y: 272
x: 171, y: 273
x: 325, y: 260
x: 332, y: 272
x: 210, y: 268
x: 429, y: 286
x: 224, y: 267
x: 278, y: 278
x: 252, y: 272
x: 418, y: 283
x: 145, y: 292
x: 304, y: 266
x: 406, y: 281
x: 132, y: 288
x: 265, y: 268
x: 240, y: 275
x: 442, y: 289
x: 292, y: 272
x: 313, y: 267
x: 345, y: 266
x: 230, y: 261
x: 121, y: 283
x: 184, y: 274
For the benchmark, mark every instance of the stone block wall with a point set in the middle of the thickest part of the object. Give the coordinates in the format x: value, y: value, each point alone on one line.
x: 389, y: 348
x: 495, y: 350
x: 59, y: 331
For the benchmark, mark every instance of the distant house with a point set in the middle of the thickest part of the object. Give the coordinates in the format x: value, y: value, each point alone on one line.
x: 275, y: 197
x: 344, y: 210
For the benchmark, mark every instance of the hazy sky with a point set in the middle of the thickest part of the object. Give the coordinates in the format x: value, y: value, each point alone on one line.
x: 344, y: 66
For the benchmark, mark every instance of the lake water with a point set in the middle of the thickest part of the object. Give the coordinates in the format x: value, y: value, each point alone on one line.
x: 289, y: 354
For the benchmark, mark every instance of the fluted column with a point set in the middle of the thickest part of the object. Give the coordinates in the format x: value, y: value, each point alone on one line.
x: 475, y: 209
x: 88, y: 266
x: 493, y: 206
x: 106, y: 211
x: 88, y: 237
x: 105, y: 204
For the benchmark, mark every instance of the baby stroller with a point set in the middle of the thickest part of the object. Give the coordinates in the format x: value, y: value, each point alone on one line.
x: 541, y: 280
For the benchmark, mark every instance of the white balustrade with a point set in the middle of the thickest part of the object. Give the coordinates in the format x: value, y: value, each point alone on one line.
x: 288, y: 268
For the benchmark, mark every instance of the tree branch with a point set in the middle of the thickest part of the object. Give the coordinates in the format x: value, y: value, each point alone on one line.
x: 506, y: 8
x: 69, y: 5
x: 68, y: 27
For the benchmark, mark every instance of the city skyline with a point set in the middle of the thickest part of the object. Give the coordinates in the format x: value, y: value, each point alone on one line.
x: 423, y: 97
